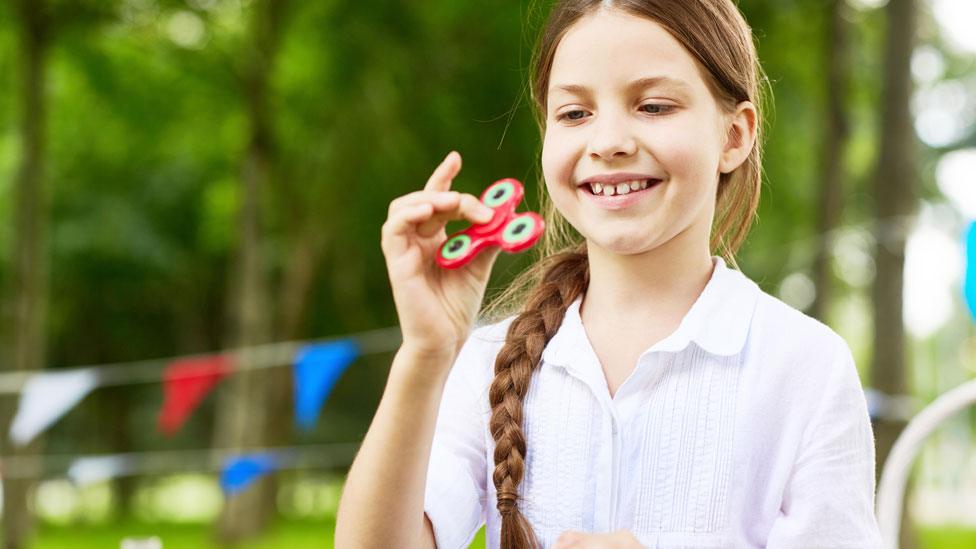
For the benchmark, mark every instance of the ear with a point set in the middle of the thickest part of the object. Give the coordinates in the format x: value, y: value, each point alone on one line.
x: 740, y: 136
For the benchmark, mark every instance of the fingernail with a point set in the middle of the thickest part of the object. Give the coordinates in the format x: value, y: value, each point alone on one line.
x: 487, y: 213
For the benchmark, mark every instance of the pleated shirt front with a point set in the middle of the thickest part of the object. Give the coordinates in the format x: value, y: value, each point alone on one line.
x: 746, y: 427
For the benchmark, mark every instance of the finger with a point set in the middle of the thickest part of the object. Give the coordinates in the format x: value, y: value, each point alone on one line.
x: 403, y: 224
x: 481, y: 265
x: 627, y: 539
x: 441, y: 179
x: 567, y: 540
x: 468, y: 208
x: 440, y: 199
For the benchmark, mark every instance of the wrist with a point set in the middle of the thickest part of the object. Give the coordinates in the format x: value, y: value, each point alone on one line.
x: 427, y: 364
x: 428, y: 353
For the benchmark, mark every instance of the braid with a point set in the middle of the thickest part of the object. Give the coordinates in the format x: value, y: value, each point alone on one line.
x: 527, y: 336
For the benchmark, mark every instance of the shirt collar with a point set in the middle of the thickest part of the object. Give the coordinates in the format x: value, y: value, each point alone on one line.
x: 718, y: 321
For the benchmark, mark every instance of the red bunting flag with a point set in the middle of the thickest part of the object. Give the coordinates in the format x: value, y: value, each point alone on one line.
x: 185, y: 384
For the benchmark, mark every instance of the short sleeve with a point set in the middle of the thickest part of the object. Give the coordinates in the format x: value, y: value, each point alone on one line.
x: 829, y: 498
x: 454, y: 498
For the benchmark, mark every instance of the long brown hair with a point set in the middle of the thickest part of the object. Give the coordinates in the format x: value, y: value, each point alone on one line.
x: 718, y: 37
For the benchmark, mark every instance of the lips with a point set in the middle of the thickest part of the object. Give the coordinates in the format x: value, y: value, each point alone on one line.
x: 618, y: 201
x: 619, y: 177
x: 624, y: 187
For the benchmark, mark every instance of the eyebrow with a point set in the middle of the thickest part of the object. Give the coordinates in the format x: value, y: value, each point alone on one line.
x: 641, y: 83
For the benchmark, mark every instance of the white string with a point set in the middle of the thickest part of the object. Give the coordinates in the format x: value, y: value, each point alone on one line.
x: 269, y: 355
x: 175, y: 461
x: 894, y: 229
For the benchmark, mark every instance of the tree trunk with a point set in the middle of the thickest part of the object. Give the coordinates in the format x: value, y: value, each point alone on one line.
x: 832, y: 161
x: 307, y: 245
x: 896, y: 199
x: 27, y: 293
x: 243, y: 415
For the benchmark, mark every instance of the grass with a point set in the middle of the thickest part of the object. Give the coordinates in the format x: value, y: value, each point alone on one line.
x: 949, y: 537
x: 317, y: 534
x: 283, y: 534
x: 183, y: 536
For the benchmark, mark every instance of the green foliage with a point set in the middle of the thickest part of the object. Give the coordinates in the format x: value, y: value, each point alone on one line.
x: 148, y: 125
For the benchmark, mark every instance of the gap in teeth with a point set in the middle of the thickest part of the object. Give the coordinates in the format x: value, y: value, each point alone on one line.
x: 619, y: 188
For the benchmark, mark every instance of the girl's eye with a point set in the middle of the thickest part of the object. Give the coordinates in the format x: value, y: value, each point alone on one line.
x: 656, y: 108
x: 649, y: 108
x: 567, y: 115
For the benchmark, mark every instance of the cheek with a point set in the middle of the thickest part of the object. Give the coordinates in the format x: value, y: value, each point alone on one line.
x: 547, y: 163
x: 557, y: 163
x: 687, y: 155
x: 557, y: 171
x: 683, y: 159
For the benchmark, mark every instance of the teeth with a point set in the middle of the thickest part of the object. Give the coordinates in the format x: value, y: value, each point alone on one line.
x: 619, y: 188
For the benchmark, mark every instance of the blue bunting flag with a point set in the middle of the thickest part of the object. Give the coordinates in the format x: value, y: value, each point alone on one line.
x: 970, y: 288
x: 317, y: 368
x: 239, y: 472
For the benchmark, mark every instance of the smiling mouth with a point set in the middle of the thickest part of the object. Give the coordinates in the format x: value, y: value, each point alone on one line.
x: 625, y: 187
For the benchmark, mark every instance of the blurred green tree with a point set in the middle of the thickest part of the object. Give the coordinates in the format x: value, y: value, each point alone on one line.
x: 25, y: 299
x: 202, y: 195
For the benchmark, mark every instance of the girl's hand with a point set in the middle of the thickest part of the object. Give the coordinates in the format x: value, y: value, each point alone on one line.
x: 436, y: 306
x: 621, y: 539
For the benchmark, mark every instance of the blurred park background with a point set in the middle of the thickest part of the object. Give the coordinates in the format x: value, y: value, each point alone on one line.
x: 180, y: 178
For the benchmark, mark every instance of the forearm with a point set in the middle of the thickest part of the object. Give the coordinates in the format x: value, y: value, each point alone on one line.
x: 383, y: 500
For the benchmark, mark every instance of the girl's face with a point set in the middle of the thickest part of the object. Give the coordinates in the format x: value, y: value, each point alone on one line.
x: 626, y: 100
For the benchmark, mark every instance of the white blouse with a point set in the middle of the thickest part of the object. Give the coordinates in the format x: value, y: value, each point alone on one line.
x: 746, y: 427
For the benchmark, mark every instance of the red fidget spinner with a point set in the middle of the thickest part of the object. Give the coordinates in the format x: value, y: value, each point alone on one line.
x: 511, y: 231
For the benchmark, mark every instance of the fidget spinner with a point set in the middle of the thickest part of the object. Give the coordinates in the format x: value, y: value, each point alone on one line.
x: 511, y: 231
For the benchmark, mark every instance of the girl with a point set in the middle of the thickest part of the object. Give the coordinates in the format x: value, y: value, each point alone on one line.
x: 645, y: 394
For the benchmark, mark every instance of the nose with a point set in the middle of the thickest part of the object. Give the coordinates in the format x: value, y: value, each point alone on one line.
x: 612, y: 138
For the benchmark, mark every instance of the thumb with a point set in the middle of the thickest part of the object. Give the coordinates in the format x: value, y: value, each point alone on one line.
x: 481, y: 265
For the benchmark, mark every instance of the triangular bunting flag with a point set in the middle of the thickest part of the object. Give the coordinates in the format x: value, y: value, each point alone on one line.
x: 317, y: 368
x: 970, y: 288
x: 185, y: 383
x: 239, y: 472
x: 45, y: 398
x: 89, y: 470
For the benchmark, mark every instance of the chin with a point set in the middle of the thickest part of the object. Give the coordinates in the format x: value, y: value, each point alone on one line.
x: 621, y: 244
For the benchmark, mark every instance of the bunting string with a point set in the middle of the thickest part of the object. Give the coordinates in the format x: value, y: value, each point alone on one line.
x: 46, y: 395
x: 892, y: 229
x: 88, y: 468
x: 49, y: 393
x: 270, y: 355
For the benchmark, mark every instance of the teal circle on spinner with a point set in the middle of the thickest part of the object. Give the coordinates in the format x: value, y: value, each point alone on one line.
x: 499, y: 194
x: 456, y: 247
x: 518, y: 230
